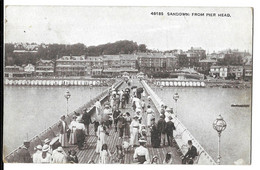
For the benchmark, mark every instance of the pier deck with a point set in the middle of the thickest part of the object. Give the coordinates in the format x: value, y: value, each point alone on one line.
x: 88, y: 153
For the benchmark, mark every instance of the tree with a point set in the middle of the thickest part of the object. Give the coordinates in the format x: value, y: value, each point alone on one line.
x: 142, y: 48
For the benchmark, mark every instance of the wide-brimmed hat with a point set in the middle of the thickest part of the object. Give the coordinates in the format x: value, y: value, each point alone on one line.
x: 138, y: 110
x: 59, y: 149
x: 135, y: 116
x: 161, y: 116
x: 45, y: 148
x: 79, y: 119
x: 142, y: 140
x: 26, y: 142
x: 47, y: 140
x: 39, y: 147
x: 155, y: 156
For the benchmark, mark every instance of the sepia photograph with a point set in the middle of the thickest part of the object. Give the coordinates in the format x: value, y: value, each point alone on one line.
x: 127, y: 85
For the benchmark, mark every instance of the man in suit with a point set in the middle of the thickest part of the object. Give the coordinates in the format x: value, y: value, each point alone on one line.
x: 86, y: 120
x: 116, y: 114
x: 190, y: 155
x: 169, y: 130
x: 121, y: 125
x: 161, y: 125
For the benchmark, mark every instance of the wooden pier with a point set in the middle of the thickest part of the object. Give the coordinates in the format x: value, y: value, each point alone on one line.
x: 88, y: 153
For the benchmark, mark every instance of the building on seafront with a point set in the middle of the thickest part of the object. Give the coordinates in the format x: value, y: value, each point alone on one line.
x: 205, y: 64
x: 228, y: 72
x: 44, y: 68
x: 151, y: 63
x: 18, y: 71
x: 71, y: 66
x: 14, y: 71
x: 116, y: 65
x: 248, y: 72
x: 94, y: 65
x: 29, y: 69
x: 235, y: 72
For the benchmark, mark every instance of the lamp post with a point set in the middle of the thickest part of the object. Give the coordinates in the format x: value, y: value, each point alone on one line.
x: 176, y: 97
x: 219, y: 125
x: 67, y: 96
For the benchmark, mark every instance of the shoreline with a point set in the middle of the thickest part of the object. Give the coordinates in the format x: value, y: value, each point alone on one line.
x: 52, y: 81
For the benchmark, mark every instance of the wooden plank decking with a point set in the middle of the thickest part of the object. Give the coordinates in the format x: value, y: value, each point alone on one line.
x: 88, y: 153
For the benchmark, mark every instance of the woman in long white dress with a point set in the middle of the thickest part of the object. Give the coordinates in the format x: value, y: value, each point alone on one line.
x: 98, y: 107
x: 150, y: 115
x: 134, y: 129
x: 73, y: 127
x: 101, y: 134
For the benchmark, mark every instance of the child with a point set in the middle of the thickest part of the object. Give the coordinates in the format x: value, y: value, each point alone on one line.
x: 155, y: 160
x: 72, y: 158
x: 142, y: 132
x: 168, y: 158
x: 119, y: 155
x: 104, y: 155
x: 126, y: 146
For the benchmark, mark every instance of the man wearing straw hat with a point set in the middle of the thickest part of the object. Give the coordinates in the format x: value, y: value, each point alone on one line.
x: 37, y: 155
x: 47, y: 142
x: 141, y: 154
x: 59, y: 156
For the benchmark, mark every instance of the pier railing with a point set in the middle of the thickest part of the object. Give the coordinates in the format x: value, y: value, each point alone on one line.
x: 181, y: 134
x: 52, y: 132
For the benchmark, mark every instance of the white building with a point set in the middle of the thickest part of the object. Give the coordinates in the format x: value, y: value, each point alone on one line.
x: 29, y: 68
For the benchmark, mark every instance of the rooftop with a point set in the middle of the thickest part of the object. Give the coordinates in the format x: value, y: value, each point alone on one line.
x: 45, y: 61
x: 111, y: 57
x: 207, y: 61
x: 69, y: 58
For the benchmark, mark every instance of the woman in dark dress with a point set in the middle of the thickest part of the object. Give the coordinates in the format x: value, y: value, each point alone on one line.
x: 128, y: 121
x: 155, y: 139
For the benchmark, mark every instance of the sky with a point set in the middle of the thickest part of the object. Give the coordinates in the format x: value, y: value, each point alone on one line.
x: 100, y: 25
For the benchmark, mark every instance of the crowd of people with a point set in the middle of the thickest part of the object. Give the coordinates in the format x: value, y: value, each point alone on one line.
x: 133, y: 130
x: 46, y: 153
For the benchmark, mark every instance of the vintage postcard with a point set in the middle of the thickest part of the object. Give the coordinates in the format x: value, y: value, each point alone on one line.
x: 128, y: 85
